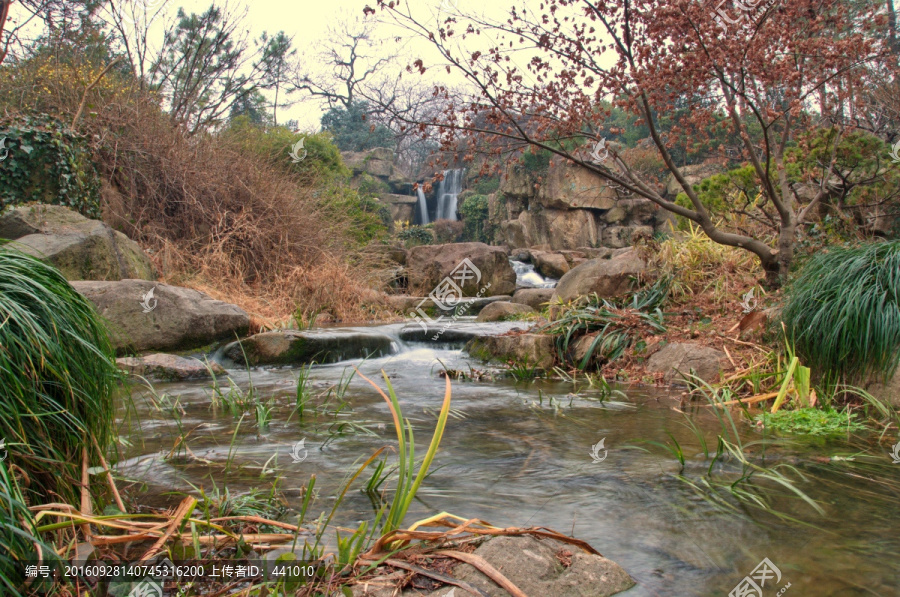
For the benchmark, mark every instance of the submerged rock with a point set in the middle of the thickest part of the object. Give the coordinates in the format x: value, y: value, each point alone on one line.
x: 80, y: 248
x: 169, y: 367
x: 503, y: 310
x: 607, y: 277
x: 682, y: 358
x: 537, y: 350
x: 294, y: 347
x: 147, y: 316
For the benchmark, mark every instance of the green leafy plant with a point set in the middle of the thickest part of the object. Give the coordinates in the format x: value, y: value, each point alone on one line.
x: 842, y: 312
x: 47, y: 163
x: 415, y: 236
x: 474, y: 211
x: 812, y: 421
x: 409, y: 481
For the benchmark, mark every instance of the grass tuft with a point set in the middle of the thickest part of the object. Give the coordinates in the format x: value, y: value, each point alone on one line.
x: 843, y: 312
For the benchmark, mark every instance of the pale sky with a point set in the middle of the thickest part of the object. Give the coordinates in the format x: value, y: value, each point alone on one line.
x: 308, y: 21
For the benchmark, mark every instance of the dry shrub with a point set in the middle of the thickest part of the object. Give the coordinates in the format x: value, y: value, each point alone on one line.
x: 700, y: 266
x: 212, y: 214
x: 447, y: 231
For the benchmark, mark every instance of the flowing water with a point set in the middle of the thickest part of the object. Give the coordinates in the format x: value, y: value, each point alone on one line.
x: 448, y: 191
x: 421, y: 216
x: 519, y: 454
x: 527, y: 277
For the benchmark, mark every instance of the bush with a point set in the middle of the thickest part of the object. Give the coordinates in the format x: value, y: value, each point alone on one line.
x: 46, y: 162
x: 843, y: 312
x: 474, y: 211
x: 57, y: 376
x: 486, y: 186
x: 447, y: 231
x: 415, y: 236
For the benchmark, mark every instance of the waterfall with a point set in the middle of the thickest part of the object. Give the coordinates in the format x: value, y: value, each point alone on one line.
x: 526, y: 277
x: 448, y: 190
x: 422, y: 208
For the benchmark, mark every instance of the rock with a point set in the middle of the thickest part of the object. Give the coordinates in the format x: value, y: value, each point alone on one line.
x: 550, y: 265
x: 532, y: 349
x: 533, y: 566
x: 180, y: 318
x: 523, y: 255
x: 618, y: 237
x: 580, y: 349
x: 168, y: 367
x: 556, y: 228
x: 502, y: 310
x: 607, y: 277
x: 407, y: 305
x: 294, y: 347
x: 82, y: 249
x: 377, y: 162
x: 596, y: 252
x: 536, y: 298
x: 693, y: 175
x: 682, y: 358
x: 888, y: 392
x: 615, y: 215
x: 430, y: 265
x: 402, y: 207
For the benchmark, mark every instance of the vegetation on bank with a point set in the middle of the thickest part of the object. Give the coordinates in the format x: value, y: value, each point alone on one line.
x: 57, y: 377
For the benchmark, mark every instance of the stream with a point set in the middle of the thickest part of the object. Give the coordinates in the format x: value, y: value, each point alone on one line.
x: 519, y: 454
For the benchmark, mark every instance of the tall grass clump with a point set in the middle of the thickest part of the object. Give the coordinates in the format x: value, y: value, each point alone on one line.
x: 57, y: 376
x: 843, y: 312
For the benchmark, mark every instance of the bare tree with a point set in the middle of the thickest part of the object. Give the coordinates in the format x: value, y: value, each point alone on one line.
x: 347, y: 66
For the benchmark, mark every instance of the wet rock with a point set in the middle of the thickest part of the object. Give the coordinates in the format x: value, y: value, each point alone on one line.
x: 503, y: 310
x: 81, y: 248
x: 294, y: 347
x: 170, y: 319
x: 523, y: 255
x: 533, y: 349
x: 534, y: 566
x: 607, y: 277
x: 429, y: 265
x: 169, y: 367
x: 536, y: 298
x: 682, y: 358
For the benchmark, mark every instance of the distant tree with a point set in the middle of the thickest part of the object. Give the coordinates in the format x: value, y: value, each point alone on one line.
x: 777, y: 73
x: 207, y: 64
x: 253, y: 107
x: 353, y: 59
x: 276, y: 55
x: 353, y: 130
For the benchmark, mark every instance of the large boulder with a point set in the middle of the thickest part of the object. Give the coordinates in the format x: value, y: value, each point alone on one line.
x: 81, y: 248
x: 680, y: 359
x: 607, y: 277
x: 169, y: 367
x: 564, y: 186
x: 295, y: 347
x: 503, y: 310
x: 557, y: 228
x: 550, y: 265
x: 429, y: 265
x: 536, y: 298
x: 618, y: 237
x: 537, y: 350
x: 148, y: 316
x: 402, y: 207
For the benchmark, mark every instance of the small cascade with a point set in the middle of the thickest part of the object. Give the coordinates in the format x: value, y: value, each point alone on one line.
x: 527, y: 277
x: 448, y: 191
x: 421, y: 208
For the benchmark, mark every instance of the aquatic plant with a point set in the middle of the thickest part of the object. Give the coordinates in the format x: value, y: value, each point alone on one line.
x: 843, y: 312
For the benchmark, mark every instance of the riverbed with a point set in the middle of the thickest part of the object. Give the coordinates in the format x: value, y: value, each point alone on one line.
x: 520, y: 453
